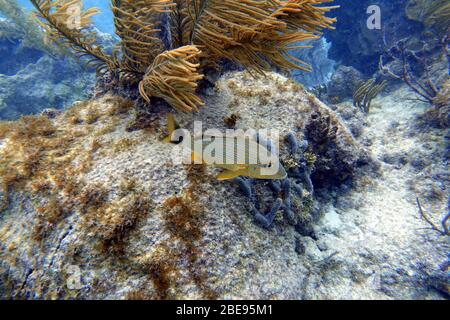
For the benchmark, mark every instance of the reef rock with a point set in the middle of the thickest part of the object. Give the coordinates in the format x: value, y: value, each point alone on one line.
x: 94, y: 206
x: 359, y: 46
x: 343, y: 83
x: 48, y: 83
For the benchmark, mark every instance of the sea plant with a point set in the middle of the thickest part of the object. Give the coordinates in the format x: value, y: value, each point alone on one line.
x: 366, y: 92
x: 290, y: 195
x: 166, y: 45
x: 419, y: 80
x: 433, y: 13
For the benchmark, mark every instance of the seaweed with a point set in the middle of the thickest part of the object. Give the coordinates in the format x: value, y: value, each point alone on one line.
x: 366, y: 92
x: 55, y: 18
x: 423, y: 87
x: 167, y: 45
x: 231, y: 121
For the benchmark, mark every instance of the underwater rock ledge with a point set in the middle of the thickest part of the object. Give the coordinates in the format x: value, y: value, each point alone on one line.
x: 87, y: 191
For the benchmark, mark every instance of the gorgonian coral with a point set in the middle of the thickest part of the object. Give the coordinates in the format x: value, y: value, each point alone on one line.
x: 166, y: 44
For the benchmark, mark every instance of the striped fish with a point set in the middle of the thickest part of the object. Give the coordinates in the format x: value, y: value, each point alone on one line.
x: 240, y: 156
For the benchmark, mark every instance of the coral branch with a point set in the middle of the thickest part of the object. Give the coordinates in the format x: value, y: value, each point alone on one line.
x: 55, y: 17
x: 173, y: 76
x: 445, y: 231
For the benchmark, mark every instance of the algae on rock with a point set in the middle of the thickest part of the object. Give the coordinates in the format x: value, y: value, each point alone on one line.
x: 132, y: 220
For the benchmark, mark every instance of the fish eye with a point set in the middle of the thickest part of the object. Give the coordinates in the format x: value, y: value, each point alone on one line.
x: 179, y: 140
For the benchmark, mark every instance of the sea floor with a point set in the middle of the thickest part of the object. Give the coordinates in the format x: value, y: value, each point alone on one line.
x: 371, y: 242
x: 383, y: 248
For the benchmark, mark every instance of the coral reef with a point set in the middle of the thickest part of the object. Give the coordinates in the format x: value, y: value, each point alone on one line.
x: 37, y: 75
x: 11, y: 46
x: 111, y: 202
x: 48, y: 83
x: 343, y: 83
x: 94, y: 203
x: 26, y: 27
x: 433, y: 13
x: 415, y: 71
x: 355, y: 45
x: 293, y: 195
x: 441, y: 105
x: 329, y: 142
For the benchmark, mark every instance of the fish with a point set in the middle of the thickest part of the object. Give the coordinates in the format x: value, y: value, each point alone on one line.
x: 239, y: 156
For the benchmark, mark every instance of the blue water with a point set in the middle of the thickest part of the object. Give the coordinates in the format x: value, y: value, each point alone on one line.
x: 346, y: 55
x: 103, y: 20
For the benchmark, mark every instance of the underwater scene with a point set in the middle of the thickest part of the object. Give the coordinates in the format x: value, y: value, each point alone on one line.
x: 224, y: 150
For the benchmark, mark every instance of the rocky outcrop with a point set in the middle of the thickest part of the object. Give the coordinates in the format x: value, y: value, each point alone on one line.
x: 357, y: 46
x: 343, y: 83
x: 105, y: 213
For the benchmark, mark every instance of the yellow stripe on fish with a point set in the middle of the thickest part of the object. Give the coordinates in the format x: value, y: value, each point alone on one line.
x: 238, y: 155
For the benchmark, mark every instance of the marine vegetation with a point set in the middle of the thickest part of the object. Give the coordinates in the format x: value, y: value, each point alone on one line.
x: 366, y: 92
x: 414, y: 71
x: 166, y: 45
x: 434, y: 13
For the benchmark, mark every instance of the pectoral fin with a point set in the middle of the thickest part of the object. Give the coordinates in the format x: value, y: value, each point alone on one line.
x: 232, y: 167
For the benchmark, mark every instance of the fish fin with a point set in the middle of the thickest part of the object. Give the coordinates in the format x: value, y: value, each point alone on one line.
x: 238, y: 167
x: 229, y: 175
x: 172, y: 125
x: 195, y: 158
x: 232, y: 167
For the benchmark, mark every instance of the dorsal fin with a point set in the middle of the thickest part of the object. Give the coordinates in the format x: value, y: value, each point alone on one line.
x: 172, y: 126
